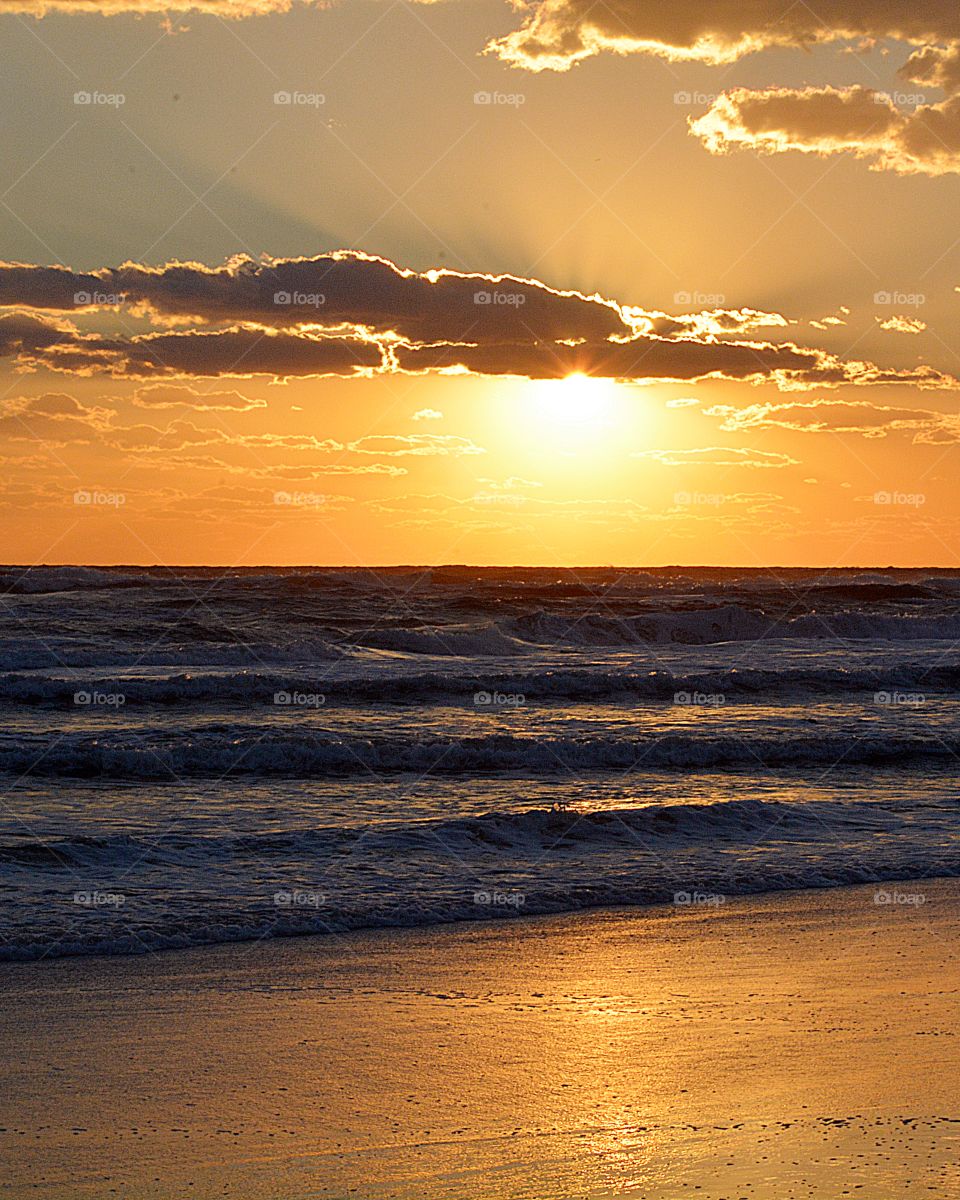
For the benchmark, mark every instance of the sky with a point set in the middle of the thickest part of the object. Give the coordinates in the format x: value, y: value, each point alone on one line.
x: 463, y: 281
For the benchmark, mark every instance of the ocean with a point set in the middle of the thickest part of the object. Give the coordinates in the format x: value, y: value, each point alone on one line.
x: 206, y: 755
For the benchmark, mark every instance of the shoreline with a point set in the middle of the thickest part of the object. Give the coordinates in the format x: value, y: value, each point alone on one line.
x: 647, y: 1052
x: 642, y: 908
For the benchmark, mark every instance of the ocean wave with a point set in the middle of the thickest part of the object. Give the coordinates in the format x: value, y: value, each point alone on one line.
x: 457, y: 686
x: 728, y: 623
x: 483, y: 640
x: 202, y: 809
x: 501, y: 864
x: 516, y: 635
x: 48, y: 655
x: 29, y: 581
x: 306, y: 752
x: 530, y: 830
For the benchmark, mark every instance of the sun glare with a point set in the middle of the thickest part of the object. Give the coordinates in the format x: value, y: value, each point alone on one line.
x: 565, y: 418
x: 582, y: 400
x: 578, y: 405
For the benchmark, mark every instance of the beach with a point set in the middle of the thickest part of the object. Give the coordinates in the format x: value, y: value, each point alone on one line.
x: 479, y: 600
x: 793, y: 1045
x: 509, y: 894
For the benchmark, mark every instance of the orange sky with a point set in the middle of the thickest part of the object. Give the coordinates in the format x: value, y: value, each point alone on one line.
x: 336, y: 286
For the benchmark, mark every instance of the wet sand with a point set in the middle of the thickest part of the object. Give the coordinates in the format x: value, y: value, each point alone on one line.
x: 800, y: 1045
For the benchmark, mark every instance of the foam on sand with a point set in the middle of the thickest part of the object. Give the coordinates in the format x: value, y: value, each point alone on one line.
x: 690, y: 1050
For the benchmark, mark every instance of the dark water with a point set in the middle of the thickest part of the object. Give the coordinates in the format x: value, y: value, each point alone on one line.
x: 204, y: 755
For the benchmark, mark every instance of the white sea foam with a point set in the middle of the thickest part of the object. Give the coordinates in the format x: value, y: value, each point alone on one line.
x: 191, y: 890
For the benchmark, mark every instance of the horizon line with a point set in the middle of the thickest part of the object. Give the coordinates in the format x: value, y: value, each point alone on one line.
x: 440, y: 566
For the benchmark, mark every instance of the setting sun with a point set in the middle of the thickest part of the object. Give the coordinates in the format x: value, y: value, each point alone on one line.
x: 582, y: 401
x: 576, y: 412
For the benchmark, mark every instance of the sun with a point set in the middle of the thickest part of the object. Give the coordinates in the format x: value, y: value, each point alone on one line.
x: 578, y: 417
x: 580, y: 400
x: 578, y: 404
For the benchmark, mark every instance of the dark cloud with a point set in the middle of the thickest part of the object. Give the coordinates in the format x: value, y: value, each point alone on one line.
x: 551, y: 335
x: 25, y: 333
x: 192, y: 353
x: 330, y: 291
x: 640, y: 358
x: 675, y: 360
x: 241, y: 352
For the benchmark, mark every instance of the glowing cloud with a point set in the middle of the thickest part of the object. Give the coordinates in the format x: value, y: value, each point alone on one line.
x: 828, y: 120
x: 353, y: 315
x: 556, y: 34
